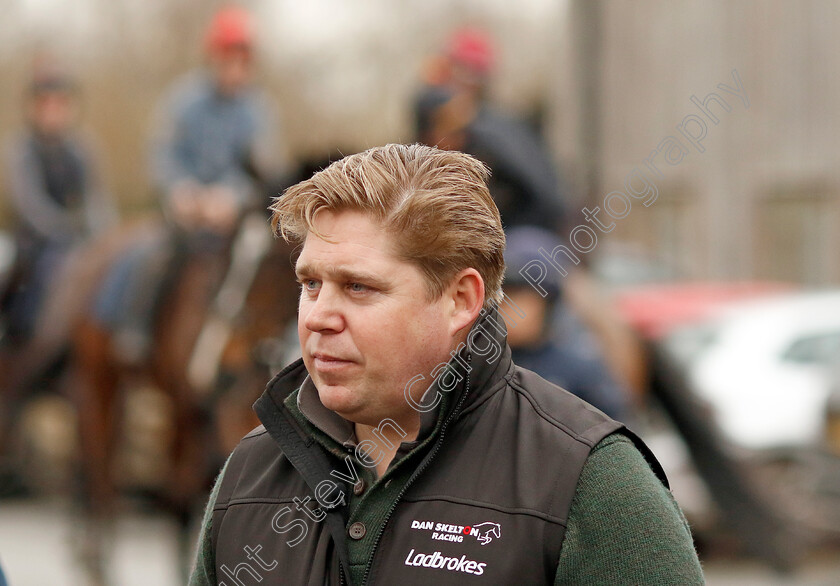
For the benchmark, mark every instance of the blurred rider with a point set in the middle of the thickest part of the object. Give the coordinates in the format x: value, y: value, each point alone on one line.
x: 551, y: 340
x: 451, y: 112
x: 213, y: 144
x: 214, y: 129
x: 55, y: 192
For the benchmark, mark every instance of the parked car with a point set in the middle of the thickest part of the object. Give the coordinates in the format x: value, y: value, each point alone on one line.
x: 744, y: 372
x: 765, y: 368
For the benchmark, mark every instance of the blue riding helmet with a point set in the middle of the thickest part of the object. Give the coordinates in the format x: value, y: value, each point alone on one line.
x: 523, y: 246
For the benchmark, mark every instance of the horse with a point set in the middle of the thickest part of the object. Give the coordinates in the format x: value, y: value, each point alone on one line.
x: 36, y: 364
x: 216, y: 311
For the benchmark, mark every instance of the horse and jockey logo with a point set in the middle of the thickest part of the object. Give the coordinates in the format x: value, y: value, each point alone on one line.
x: 487, y: 531
x: 483, y: 532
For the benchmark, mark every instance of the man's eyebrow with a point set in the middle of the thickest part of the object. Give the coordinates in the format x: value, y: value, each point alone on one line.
x: 342, y: 274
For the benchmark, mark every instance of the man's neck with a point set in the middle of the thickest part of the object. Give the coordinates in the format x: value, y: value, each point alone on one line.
x: 387, y: 439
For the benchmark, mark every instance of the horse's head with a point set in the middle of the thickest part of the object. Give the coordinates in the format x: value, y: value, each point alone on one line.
x: 254, y: 304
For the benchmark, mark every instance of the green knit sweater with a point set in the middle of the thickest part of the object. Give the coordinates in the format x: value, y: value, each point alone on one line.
x: 624, y: 527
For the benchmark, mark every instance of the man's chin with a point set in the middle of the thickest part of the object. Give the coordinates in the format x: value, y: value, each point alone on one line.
x: 338, y: 398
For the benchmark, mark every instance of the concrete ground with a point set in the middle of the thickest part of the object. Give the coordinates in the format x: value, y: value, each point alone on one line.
x: 39, y: 542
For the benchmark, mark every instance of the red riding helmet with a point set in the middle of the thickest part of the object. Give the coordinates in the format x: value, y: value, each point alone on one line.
x: 472, y: 48
x: 230, y: 28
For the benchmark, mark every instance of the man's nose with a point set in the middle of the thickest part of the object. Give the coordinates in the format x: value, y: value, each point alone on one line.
x: 324, y: 312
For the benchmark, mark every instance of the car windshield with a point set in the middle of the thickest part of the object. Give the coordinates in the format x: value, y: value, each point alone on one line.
x: 823, y: 348
x: 688, y: 343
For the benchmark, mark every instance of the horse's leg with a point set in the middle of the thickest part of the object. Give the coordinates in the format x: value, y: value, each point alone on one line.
x: 97, y: 399
x: 10, y: 399
x: 22, y: 370
x: 96, y: 393
x: 11, y: 404
x: 188, y: 473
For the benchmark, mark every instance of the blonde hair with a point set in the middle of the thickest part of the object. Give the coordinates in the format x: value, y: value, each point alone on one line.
x: 435, y: 203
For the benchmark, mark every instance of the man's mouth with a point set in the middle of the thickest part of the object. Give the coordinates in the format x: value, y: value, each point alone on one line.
x: 328, y: 362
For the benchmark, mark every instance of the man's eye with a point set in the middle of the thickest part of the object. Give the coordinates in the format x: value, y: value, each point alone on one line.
x: 357, y: 287
x: 310, y: 285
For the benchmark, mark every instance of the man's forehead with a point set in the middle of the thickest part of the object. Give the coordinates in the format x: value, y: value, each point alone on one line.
x: 348, y: 232
x: 346, y: 251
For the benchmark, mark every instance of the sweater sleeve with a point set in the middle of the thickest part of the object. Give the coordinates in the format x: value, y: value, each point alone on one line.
x: 29, y: 198
x: 624, y: 526
x: 204, y: 568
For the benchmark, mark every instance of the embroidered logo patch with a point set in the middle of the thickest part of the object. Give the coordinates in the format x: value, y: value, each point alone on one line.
x: 483, y: 532
x: 441, y: 562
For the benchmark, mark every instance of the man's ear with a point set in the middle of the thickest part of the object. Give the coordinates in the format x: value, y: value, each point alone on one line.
x: 466, y: 292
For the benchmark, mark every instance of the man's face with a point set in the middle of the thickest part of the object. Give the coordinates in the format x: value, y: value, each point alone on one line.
x: 530, y: 330
x: 233, y: 67
x: 52, y: 113
x: 365, y: 322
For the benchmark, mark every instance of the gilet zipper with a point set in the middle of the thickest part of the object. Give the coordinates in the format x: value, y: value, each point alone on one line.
x: 418, y: 471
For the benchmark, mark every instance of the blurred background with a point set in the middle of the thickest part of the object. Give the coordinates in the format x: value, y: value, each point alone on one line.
x: 677, y: 162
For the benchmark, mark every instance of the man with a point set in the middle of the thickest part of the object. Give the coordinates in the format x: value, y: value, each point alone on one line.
x: 214, y: 143
x: 452, y: 112
x: 405, y: 447
x: 215, y: 130
x: 55, y: 192
x: 551, y: 340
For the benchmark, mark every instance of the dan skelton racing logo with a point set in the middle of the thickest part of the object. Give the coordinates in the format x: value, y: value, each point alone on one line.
x: 483, y: 532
